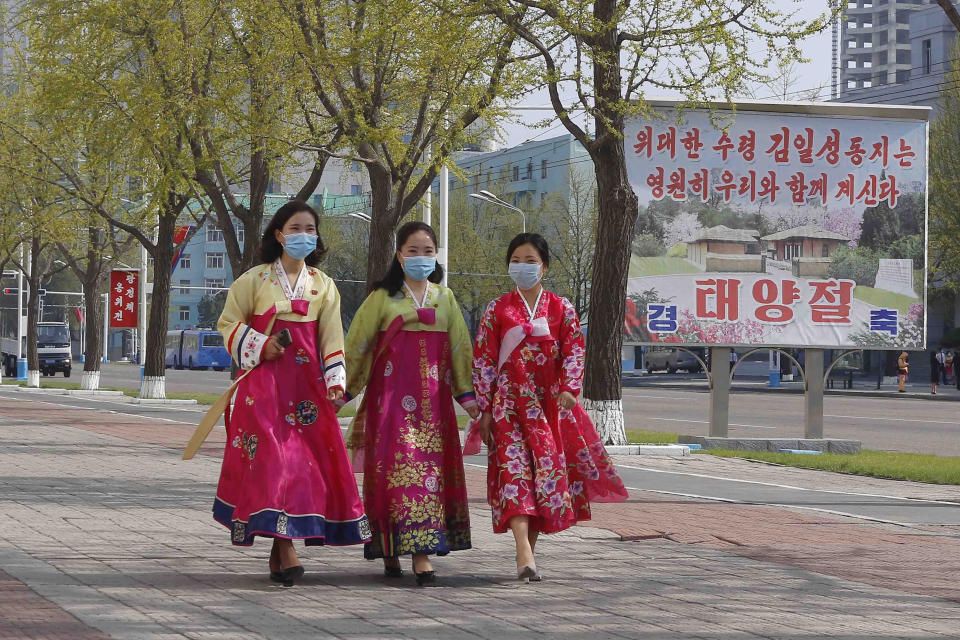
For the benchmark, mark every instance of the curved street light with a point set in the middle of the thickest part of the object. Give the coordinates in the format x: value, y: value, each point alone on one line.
x: 486, y: 196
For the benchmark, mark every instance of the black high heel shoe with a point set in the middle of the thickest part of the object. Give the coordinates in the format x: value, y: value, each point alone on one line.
x: 275, y: 576
x: 393, y: 572
x: 291, y: 575
x: 426, y: 579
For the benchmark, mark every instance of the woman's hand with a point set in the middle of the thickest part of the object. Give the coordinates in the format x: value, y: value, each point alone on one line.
x: 566, y: 400
x: 335, y: 395
x: 485, y: 427
x: 473, y: 412
x: 272, y: 349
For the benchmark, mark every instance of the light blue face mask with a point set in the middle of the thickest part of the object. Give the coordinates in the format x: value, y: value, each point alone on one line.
x: 419, y: 268
x: 300, y: 245
x: 525, y: 275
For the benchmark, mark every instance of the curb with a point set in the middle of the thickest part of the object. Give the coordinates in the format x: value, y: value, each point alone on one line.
x: 866, y: 393
x: 648, y: 450
x: 161, y: 401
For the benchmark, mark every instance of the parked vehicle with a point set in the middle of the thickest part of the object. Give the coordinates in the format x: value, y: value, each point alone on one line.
x: 53, y: 350
x: 196, y: 349
x: 670, y: 360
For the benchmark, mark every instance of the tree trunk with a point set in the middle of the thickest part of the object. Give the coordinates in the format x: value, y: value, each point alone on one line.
x: 617, y: 215
x: 383, y: 223
x: 33, y: 312
x: 153, y: 370
x: 93, y: 313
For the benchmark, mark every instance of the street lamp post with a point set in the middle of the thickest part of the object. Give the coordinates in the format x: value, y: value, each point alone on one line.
x: 486, y: 196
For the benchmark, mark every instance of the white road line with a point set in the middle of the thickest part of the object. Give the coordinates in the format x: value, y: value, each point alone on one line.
x: 119, y: 413
x: 104, y: 401
x: 772, y: 504
x: 775, y: 504
x: 787, y: 486
x: 732, y: 424
x: 954, y: 422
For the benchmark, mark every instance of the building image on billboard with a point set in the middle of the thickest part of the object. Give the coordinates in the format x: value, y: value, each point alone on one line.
x: 780, y: 224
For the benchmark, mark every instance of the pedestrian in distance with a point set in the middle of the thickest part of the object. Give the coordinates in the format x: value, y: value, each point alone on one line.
x: 546, y: 461
x: 409, y: 347
x: 285, y: 473
x: 936, y: 369
x: 903, y: 368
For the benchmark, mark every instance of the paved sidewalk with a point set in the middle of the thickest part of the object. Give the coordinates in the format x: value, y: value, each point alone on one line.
x: 107, y: 533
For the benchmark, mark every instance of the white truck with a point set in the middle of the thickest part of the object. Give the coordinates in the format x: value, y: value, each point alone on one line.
x: 54, y: 353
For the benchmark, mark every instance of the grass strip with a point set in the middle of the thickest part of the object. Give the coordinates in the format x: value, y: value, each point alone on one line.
x: 916, y: 467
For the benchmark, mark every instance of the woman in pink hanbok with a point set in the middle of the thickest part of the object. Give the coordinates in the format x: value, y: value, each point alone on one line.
x: 408, y: 345
x: 546, y: 461
x: 286, y: 474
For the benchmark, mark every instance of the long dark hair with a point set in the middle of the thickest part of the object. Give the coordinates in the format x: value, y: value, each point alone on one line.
x: 538, y: 241
x: 393, y: 281
x: 270, y: 247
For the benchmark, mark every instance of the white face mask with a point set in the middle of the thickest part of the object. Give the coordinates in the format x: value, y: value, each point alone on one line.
x: 525, y: 275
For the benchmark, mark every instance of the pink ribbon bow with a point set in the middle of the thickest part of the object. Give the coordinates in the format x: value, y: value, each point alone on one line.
x: 300, y: 306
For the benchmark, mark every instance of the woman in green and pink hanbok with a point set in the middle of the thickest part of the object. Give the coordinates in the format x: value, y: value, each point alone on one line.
x: 409, y: 347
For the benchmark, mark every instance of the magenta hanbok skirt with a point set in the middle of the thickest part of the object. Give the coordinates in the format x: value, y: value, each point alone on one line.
x: 286, y: 473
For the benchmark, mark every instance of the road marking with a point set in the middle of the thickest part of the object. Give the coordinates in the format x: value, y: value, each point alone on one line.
x: 774, y: 504
x: 784, y: 506
x: 788, y: 486
x: 830, y: 415
x: 113, y: 411
x: 732, y: 424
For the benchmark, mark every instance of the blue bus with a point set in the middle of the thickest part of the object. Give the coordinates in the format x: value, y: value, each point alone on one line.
x: 196, y: 349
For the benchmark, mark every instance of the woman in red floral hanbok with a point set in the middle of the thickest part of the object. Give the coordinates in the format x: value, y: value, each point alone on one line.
x: 546, y: 461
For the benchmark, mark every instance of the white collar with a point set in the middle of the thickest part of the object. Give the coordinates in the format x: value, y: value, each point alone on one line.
x: 421, y: 303
x: 297, y: 292
x: 536, y: 305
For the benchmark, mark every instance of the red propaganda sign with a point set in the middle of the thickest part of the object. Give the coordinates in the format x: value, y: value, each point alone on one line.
x: 124, y: 287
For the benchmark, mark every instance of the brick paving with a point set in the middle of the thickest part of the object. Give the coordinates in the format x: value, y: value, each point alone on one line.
x: 107, y: 533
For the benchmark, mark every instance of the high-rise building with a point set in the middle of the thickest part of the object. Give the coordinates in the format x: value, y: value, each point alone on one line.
x: 875, y: 43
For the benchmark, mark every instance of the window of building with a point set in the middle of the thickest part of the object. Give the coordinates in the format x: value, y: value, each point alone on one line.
x: 852, y: 24
x: 851, y: 84
x: 825, y: 251
x: 903, y: 16
x: 882, y: 58
x: 903, y: 75
x: 903, y: 36
x: 926, y: 56
x: 355, y: 165
x: 883, y: 38
x: 851, y: 64
x: 867, y: 84
x: 543, y: 169
x: 867, y: 4
x: 867, y: 64
x: 882, y: 19
x: 214, y: 234
x: 272, y: 186
x: 516, y: 173
x: 215, y: 260
x: 903, y: 56
x: 241, y: 234
x: 866, y: 24
x: 529, y: 169
x: 184, y: 314
x: 213, y: 285
x: 867, y: 44
x: 354, y: 189
x: 852, y: 4
x: 184, y: 283
x: 184, y: 260
x: 852, y: 44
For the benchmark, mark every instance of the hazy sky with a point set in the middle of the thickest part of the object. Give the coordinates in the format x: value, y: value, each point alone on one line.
x: 810, y: 74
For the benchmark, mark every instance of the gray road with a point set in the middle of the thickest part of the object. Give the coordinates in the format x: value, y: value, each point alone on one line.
x: 890, y: 424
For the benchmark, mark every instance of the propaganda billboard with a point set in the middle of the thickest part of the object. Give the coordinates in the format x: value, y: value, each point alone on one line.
x: 793, y: 225
x: 124, y: 300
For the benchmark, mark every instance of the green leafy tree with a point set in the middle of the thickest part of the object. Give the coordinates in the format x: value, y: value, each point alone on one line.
x: 606, y: 53
x: 405, y: 81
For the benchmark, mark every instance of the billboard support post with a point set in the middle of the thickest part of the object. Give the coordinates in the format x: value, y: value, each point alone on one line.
x: 813, y: 393
x: 719, y: 391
